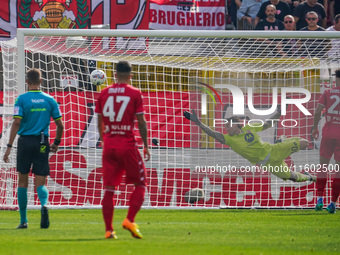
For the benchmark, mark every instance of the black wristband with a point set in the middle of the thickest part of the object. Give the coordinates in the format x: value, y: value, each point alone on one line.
x: 9, y: 145
x: 57, y: 142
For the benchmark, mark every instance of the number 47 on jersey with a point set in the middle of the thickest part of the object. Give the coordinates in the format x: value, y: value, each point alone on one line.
x: 109, y: 111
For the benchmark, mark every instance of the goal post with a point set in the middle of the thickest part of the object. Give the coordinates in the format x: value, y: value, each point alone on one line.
x: 176, y: 71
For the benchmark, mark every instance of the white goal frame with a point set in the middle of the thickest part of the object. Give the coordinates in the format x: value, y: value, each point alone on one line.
x: 211, y: 151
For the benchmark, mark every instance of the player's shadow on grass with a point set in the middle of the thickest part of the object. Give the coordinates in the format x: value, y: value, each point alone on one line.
x: 10, y: 229
x: 72, y: 240
x: 304, y: 214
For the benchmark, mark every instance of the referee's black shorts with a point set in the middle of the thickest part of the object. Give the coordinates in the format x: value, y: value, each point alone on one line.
x: 31, y: 153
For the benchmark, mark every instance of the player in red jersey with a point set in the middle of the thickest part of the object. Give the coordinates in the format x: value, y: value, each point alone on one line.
x: 330, y: 142
x: 117, y: 107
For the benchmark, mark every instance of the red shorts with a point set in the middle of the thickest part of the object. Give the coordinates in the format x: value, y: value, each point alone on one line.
x: 330, y: 146
x: 118, y: 161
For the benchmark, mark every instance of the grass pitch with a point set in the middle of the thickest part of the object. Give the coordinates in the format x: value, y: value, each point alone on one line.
x: 175, y: 232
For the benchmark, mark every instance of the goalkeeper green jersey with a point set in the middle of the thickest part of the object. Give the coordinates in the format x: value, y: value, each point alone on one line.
x: 248, y: 144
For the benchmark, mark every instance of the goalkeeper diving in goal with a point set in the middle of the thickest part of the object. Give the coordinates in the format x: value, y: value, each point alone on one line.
x: 245, y: 141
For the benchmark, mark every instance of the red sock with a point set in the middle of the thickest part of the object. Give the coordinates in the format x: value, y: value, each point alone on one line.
x: 321, y: 183
x: 107, y: 209
x: 335, y: 189
x: 136, y: 201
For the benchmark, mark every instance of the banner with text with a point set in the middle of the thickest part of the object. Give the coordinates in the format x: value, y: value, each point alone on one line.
x: 187, y: 15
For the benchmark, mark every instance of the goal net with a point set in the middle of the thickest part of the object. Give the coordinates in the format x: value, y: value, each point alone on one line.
x: 176, y: 71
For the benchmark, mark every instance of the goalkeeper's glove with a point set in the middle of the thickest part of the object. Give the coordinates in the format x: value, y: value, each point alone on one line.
x: 192, y: 116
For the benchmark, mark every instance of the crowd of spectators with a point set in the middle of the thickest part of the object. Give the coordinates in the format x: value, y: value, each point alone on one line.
x: 247, y: 14
x: 291, y: 15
